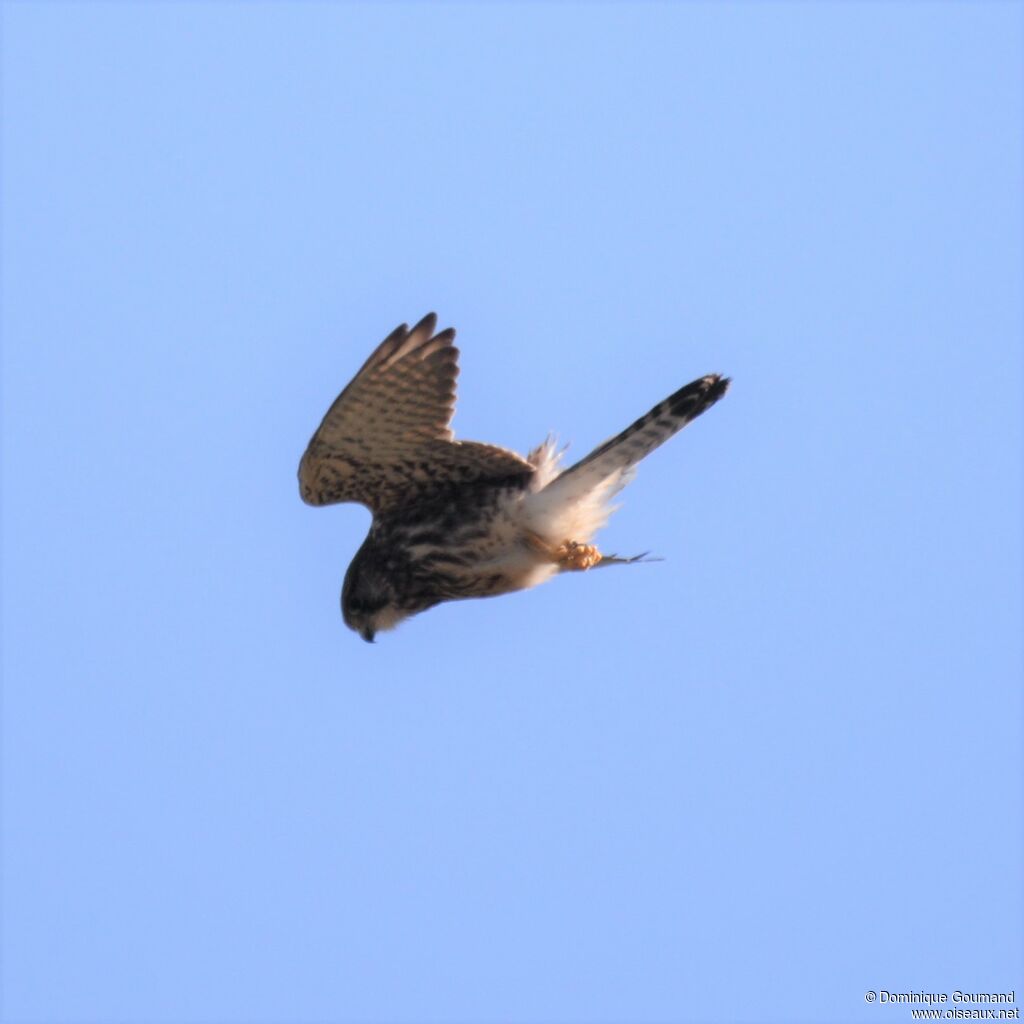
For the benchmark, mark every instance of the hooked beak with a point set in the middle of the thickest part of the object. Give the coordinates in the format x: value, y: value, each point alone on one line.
x: 368, y: 634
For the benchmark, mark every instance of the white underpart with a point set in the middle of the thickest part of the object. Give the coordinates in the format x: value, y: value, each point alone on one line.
x: 527, y: 530
x: 569, y: 513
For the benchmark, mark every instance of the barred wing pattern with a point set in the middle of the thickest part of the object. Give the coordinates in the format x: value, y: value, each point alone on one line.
x: 387, y: 438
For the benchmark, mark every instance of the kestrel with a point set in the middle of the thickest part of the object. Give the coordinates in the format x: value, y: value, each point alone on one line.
x: 456, y: 519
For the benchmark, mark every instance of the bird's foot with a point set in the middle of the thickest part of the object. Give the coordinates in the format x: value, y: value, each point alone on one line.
x: 572, y: 556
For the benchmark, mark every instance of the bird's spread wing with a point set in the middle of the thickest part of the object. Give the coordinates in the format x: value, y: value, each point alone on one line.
x: 387, y: 435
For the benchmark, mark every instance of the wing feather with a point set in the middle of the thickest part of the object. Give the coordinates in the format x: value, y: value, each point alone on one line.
x: 388, y: 434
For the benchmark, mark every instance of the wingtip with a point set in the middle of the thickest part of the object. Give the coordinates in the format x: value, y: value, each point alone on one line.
x: 426, y: 325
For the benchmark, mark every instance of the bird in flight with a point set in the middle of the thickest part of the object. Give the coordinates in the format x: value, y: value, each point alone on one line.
x: 456, y: 519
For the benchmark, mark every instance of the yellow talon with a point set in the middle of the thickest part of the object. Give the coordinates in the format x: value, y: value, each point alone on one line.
x: 573, y: 556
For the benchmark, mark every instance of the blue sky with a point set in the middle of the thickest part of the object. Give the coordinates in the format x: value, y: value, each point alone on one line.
x: 750, y: 782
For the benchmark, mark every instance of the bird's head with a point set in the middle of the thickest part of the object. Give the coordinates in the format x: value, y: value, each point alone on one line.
x: 369, y: 602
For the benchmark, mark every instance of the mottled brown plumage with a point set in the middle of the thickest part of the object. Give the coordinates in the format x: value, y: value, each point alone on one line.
x: 455, y: 519
x: 387, y: 437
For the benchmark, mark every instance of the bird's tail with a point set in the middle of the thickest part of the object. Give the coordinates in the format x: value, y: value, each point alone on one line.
x: 576, y: 503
